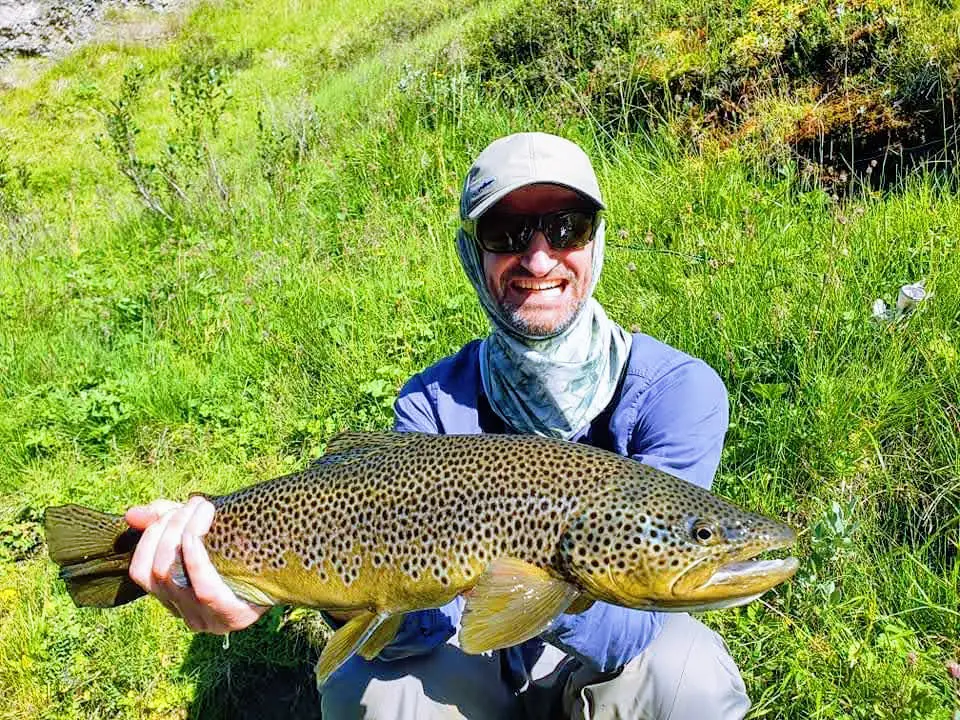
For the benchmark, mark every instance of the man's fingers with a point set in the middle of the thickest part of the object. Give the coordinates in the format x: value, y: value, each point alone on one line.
x: 141, y: 516
x: 223, y: 611
x: 169, y: 545
x: 202, y: 517
x: 205, y: 581
x: 141, y: 564
x: 208, y: 605
x: 187, y: 609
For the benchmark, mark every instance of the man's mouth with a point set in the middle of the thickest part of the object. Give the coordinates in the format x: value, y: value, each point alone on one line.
x: 530, y: 285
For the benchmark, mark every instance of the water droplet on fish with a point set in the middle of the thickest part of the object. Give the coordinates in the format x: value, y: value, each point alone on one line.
x: 226, y: 641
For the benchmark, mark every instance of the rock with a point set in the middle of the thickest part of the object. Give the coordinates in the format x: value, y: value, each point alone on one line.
x: 51, y: 27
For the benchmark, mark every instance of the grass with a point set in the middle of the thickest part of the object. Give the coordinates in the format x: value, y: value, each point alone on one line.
x: 307, y: 268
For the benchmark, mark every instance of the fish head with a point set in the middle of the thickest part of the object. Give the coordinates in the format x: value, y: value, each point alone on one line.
x: 662, y: 543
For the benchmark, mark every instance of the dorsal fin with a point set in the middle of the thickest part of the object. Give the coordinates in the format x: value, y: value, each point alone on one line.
x: 349, y: 442
x: 351, y: 446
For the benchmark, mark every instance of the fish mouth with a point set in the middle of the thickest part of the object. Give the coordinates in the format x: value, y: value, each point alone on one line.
x: 746, y: 580
x: 706, y: 585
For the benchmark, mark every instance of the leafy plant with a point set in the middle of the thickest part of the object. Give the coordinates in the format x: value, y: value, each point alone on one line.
x: 121, y: 140
x: 20, y: 537
x: 284, y: 145
x: 199, y: 97
x: 831, y: 542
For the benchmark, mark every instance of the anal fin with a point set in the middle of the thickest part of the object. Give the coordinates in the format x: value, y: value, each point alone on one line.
x: 346, y: 641
x: 381, y: 637
x: 512, y: 602
x: 580, y: 604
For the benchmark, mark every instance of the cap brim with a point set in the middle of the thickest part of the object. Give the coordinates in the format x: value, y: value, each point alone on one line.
x: 491, y: 200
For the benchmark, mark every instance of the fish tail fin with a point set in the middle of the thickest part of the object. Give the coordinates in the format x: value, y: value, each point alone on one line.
x: 93, y: 550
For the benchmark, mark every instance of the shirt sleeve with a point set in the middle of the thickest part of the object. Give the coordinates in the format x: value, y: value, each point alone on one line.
x: 681, y: 420
x: 605, y: 637
x: 413, y: 411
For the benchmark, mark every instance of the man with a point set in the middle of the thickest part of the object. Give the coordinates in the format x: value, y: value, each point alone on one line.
x: 531, y: 243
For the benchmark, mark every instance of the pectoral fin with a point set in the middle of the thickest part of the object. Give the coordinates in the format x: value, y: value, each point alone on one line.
x: 513, y: 601
x: 381, y: 637
x: 345, y: 642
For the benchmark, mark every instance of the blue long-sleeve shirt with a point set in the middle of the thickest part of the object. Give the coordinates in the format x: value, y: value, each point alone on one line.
x: 670, y: 411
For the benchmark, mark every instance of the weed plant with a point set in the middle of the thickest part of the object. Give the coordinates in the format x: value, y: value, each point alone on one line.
x: 299, y: 265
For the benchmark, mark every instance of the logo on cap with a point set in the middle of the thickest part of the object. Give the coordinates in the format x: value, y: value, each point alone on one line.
x: 480, y: 187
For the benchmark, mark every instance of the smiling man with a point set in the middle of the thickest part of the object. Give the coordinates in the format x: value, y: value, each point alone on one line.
x: 531, y: 242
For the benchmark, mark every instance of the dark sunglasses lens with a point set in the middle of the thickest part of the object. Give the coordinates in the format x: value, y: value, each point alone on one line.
x: 512, y: 233
x: 503, y: 233
x: 569, y: 230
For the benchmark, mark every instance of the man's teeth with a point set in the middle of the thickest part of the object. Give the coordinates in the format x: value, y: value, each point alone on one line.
x: 539, y: 286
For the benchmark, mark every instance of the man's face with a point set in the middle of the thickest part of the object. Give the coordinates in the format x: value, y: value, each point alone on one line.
x: 540, y: 290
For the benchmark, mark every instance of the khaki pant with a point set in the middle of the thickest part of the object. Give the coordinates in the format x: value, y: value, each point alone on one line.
x: 685, y: 674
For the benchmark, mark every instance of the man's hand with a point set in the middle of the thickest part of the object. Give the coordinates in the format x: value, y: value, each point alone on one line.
x: 208, y: 605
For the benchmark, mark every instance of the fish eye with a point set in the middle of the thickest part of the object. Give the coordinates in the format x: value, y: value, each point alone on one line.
x: 704, y: 534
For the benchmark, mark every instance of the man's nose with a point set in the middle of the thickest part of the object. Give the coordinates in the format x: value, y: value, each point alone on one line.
x: 538, y: 258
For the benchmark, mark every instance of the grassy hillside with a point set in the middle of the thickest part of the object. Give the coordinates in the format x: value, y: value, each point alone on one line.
x: 220, y: 250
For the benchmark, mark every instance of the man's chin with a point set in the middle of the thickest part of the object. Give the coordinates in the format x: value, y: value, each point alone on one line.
x: 540, y: 323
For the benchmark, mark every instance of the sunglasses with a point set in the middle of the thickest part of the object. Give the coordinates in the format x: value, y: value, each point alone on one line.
x: 564, y: 230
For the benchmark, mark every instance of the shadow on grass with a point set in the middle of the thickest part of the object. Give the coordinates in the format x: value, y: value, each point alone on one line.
x: 265, y: 673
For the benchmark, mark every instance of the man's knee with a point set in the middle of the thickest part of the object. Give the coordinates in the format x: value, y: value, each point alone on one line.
x: 705, y: 682
x: 444, y: 684
x: 686, y: 674
x: 342, y: 695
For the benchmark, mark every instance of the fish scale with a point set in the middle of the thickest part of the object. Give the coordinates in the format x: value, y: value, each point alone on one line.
x: 524, y: 527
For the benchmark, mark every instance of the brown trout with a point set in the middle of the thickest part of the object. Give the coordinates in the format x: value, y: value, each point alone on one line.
x: 387, y: 523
